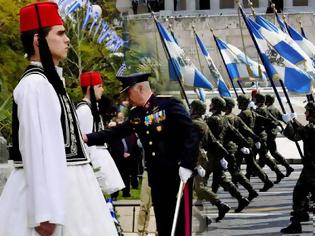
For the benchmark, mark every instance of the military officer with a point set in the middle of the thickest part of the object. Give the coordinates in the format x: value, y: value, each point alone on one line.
x: 272, y: 134
x: 306, y: 182
x: 207, y: 143
x: 249, y: 117
x: 170, y: 142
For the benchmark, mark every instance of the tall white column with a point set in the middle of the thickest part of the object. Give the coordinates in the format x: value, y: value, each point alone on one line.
x: 263, y: 3
x: 287, y: 4
x: 190, y: 5
x: 169, y: 5
x: 214, y: 5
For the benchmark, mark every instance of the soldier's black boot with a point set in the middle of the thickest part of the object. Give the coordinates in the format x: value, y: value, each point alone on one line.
x: 252, y: 195
x: 266, y: 187
x: 293, y: 228
x: 289, y: 171
x: 280, y: 176
x: 304, y: 216
x: 242, y: 203
x: 247, y: 175
x: 223, y: 209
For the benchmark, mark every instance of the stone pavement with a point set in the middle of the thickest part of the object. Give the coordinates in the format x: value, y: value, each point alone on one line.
x: 265, y: 216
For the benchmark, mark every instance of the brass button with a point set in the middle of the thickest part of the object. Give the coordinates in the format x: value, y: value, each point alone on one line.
x: 153, y: 154
x: 150, y: 143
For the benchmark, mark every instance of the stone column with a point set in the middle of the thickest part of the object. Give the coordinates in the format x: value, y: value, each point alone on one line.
x: 214, y: 5
x: 311, y: 4
x: 190, y: 5
x: 287, y: 4
x: 263, y: 4
x: 169, y: 5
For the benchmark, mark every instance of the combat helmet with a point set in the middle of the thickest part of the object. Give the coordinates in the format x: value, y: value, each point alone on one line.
x: 270, y: 99
x: 260, y: 98
x: 243, y: 101
x: 198, y: 107
x: 310, y: 107
x: 217, y: 103
x: 229, y: 103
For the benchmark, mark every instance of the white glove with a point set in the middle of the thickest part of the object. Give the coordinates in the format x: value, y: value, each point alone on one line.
x: 258, y: 145
x: 278, y: 129
x: 184, y: 174
x: 139, y: 143
x: 224, y: 163
x: 245, y: 150
x: 252, y: 105
x: 201, y: 171
x: 287, y: 117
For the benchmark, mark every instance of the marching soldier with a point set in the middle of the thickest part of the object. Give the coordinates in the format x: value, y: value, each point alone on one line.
x: 239, y: 125
x: 306, y: 182
x: 272, y: 134
x: 210, y: 144
x: 249, y: 117
x: 170, y: 142
x: 262, y: 129
x: 229, y: 137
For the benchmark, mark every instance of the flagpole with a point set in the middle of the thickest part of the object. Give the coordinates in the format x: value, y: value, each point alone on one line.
x: 193, y: 27
x: 230, y: 77
x: 271, y: 80
x: 169, y: 58
x: 301, y: 27
x: 244, y: 49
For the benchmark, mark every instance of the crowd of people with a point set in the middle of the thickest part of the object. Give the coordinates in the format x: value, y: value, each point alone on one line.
x: 66, y: 158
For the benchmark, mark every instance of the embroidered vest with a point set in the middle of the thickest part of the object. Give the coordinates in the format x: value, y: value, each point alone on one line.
x: 74, y: 146
x: 100, y: 125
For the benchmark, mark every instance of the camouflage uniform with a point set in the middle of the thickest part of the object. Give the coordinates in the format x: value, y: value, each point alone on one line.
x: 207, y: 143
x: 272, y: 134
x: 306, y: 182
x: 249, y: 117
x: 242, y: 128
x: 229, y: 137
x: 262, y: 128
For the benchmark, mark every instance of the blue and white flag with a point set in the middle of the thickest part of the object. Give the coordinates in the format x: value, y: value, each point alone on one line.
x: 239, y: 66
x: 96, y: 13
x: 214, y: 72
x: 281, y: 23
x: 121, y: 69
x: 200, y: 94
x: 284, y: 45
x: 306, y: 45
x: 277, y: 67
x: 183, y: 67
x: 88, y: 14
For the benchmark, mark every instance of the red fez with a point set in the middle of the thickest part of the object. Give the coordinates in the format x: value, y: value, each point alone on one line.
x: 90, y: 78
x: 47, y: 14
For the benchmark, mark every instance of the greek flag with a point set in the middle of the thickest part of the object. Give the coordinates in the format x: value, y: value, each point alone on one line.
x: 200, y: 94
x: 182, y: 66
x: 306, y: 45
x: 281, y: 24
x: 238, y: 65
x: 121, y: 69
x: 215, y: 74
x: 277, y: 67
x: 284, y: 45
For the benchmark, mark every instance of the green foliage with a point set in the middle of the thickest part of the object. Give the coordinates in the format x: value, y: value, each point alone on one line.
x: 12, y: 62
x: 85, y: 54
